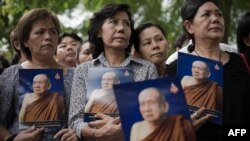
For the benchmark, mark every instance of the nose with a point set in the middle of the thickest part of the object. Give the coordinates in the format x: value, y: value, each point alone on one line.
x: 48, y: 35
x: 215, y: 18
x: 120, y: 27
x: 69, y: 47
x: 155, y: 45
x: 147, y: 107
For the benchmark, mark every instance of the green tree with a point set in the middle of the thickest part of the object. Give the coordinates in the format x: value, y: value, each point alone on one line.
x: 12, y: 10
x: 168, y: 16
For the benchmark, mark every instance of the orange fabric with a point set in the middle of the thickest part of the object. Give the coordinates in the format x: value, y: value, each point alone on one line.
x: 48, y: 108
x: 208, y: 94
x: 173, y: 128
x: 104, y: 104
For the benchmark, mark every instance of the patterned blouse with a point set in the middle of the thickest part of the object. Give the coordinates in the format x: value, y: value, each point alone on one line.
x: 142, y: 70
x: 9, y: 81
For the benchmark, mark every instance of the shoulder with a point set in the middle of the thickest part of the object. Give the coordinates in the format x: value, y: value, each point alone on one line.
x: 11, y: 71
x: 81, y: 70
x: 172, y: 57
x: 171, y: 68
x: 27, y: 98
x: 235, y: 62
x: 97, y: 91
x: 186, y: 77
x: 138, y: 125
x: 143, y: 69
x: 141, y: 61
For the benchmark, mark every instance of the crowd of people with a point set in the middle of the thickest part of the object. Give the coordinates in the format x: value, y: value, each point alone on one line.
x: 39, y: 44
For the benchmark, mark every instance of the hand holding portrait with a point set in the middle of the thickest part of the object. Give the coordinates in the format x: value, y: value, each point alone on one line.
x: 66, y: 134
x: 30, y: 134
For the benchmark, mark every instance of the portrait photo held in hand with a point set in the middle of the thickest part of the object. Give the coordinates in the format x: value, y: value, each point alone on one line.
x: 100, y: 92
x: 41, y: 99
x: 154, y: 110
x: 202, y: 83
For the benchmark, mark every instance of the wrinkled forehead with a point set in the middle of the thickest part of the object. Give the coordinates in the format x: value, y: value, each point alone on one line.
x: 109, y: 75
x: 40, y: 77
x: 149, y: 94
x: 200, y: 64
x: 208, y: 6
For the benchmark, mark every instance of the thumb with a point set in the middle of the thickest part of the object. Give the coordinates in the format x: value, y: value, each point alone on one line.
x: 31, y: 129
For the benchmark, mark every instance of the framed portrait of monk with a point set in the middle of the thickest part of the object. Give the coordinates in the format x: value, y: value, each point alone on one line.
x: 100, y: 92
x: 41, y: 99
x: 202, y: 83
x: 154, y: 110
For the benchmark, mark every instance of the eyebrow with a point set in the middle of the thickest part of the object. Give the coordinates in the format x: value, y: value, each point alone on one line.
x: 215, y: 10
x: 127, y: 20
x: 157, y: 35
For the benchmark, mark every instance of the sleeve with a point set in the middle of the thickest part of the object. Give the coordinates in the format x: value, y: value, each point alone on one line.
x: 78, y: 99
x: 8, y: 86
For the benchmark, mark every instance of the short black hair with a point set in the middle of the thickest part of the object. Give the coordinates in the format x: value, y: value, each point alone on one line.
x: 72, y: 35
x: 243, y: 31
x: 189, y: 10
x: 25, y: 23
x: 142, y: 27
x: 97, y: 21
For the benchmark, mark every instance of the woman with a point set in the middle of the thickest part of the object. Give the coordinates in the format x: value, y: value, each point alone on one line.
x: 243, y: 39
x: 66, y: 49
x: 111, y: 32
x: 38, y: 32
x: 204, y: 24
x: 152, y: 45
x: 84, y: 53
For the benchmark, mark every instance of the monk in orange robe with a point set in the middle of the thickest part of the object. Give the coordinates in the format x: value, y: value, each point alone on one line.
x: 103, y: 100
x: 201, y: 92
x: 206, y: 94
x: 157, y: 126
x: 42, y: 105
x: 48, y: 108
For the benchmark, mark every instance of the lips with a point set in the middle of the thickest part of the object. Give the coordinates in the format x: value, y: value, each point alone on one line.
x: 48, y: 45
x: 157, y: 54
x: 215, y: 29
x: 71, y: 55
x: 120, y: 37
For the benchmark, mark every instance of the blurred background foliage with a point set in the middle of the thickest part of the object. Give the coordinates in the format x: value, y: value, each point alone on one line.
x: 164, y: 12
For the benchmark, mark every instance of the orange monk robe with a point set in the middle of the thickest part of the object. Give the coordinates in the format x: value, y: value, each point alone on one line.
x: 207, y: 94
x: 173, y: 128
x: 104, y: 104
x: 48, y: 108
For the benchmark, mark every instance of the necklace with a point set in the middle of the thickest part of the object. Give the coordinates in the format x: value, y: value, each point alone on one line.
x: 201, y: 56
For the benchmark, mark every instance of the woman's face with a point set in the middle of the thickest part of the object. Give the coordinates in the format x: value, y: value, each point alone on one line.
x: 85, y: 53
x: 153, y: 45
x: 66, y: 50
x: 208, y: 23
x: 116, y: 31
x: 43, y: 39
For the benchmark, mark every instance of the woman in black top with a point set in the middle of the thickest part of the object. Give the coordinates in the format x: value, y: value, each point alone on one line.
x: 204, y: 24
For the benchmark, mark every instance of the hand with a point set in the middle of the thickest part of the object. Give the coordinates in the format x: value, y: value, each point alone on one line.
x: 199, y: 121
x: 111, y: 131
x: 66, y: 134
x: 107, y: 128
x: 102, y: 120
x: 31, y: 134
